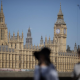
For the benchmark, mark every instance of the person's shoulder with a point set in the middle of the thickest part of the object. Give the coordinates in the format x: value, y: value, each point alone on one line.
x: 77, y: 64
x: 52, y: 66
x: 36, y: 67
x: 76, y: 67
x: 53, y: 72
x: 36, y: 70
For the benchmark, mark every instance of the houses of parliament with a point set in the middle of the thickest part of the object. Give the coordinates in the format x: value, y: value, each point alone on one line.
x: 14, y: 54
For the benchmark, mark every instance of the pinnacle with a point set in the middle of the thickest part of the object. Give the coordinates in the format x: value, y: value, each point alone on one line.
x: 1, y: 7
x: 60, y: 11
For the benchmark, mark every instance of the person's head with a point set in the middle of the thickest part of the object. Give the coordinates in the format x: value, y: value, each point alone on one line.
x: 79, y: 53
x: 43, y: 56
x: 44, y: 59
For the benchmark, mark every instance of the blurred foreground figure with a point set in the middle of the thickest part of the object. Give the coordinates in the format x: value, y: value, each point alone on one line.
x: 45, y: 70
x: 76, y: 71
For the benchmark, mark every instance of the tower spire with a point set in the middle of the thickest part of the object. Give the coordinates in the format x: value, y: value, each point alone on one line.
x: 60, y: 5
x: 75, y: 44
x: 29, y: 38
x: 41, y: 41
x: 41, y: 37
x: 22, y: 34
x: 29, y: 29
x: 1, y: 7
x: 60, y: 11
x: 60, y: 19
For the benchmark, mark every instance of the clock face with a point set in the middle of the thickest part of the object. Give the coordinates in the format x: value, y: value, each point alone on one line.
x: 64, y: 31
x: 57, y: 31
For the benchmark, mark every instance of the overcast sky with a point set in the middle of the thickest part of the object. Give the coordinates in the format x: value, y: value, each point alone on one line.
x: 41, y: 15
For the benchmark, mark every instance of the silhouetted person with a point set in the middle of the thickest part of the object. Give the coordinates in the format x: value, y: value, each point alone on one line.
x: 76, y: 71
x: 45, y: 70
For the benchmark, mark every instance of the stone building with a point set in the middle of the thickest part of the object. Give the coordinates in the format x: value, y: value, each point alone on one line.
x: 14, y: 54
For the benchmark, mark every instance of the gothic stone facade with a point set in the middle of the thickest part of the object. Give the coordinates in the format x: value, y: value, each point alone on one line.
x: 14, y: 54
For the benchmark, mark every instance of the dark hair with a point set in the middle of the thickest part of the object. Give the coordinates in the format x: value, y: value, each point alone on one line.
x: 47, y: 61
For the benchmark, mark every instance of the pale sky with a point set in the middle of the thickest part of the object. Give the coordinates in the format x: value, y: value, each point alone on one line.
x: 41, y: 15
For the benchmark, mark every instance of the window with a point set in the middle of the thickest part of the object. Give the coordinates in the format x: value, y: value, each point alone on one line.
x: 19, y: 65
x: 11, y: 44
x: 1, y: 20
x: 26, y: 57
x: 19, y: 57
x: 12, y: 57
x: 55, y: 59
x: 15, y: 57
x: 23, y: 57
x: 5, y: 64
x: 2, y: 34
x: 2, y: 65
x: 16, y: 65
x: 12, y: 64
x: 5, y: 56
x: 15, y: 46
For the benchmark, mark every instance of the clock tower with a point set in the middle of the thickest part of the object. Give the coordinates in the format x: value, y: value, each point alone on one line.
x: 60, y: 31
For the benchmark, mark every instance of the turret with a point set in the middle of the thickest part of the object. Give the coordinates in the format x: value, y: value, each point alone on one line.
x: 41, y: 41
x: 75, y: 48
x: 18, y: 35
x: 45, y: 40
x: 37, y: 46
x: 29, y: 38
x: 78, y: 47
x: 9, y: 34
x: 49, y: 40
x: 13, y: 34
x: 22, y: 34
